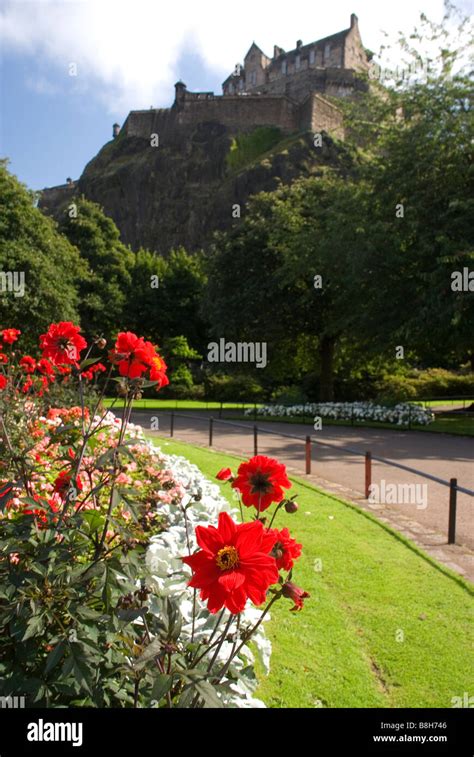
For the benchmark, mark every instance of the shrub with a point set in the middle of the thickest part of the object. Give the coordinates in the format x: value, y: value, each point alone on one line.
x: 99, y: 538
x: 288, y: 395
x: 238, y: 388
x: 247, y: 147
x: 431, y: 383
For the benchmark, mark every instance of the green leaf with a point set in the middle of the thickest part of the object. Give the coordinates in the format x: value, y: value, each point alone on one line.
x: 34, y: 626
x: 94, y: 520
x: 55, y: 656
x: 161, y: 685
x: 208, y: 694
x: 88, y: 362
x: 151, y: 651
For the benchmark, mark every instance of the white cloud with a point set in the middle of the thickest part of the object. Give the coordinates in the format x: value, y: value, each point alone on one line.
x: 41, y: 85
x: 127, y: 51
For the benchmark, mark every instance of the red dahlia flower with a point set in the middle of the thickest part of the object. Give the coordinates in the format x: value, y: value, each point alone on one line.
x: 158, y: 371
x: 46, y: 368
x: 63, y: 483
x: 62, y: 343
x: 134, y: 356
x: 28, y: 364
x: 39, y: 512
x: 286, y: 550
x: 233, y: 564
x: 260, y: 481
x: 3, y: 382
x: 124, y: 355
x: 10, y: 335
x: 293, y: 592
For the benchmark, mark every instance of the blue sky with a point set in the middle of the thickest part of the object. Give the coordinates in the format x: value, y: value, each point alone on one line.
x: 128, y: 53
x: 50, y: 128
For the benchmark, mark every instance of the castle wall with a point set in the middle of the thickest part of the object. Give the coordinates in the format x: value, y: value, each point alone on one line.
x: 337, y: 82
x: 324, y: 116
x: 239, y: 114
x: 354, y: 54
x: 51, y: 197
x: 242, y: 112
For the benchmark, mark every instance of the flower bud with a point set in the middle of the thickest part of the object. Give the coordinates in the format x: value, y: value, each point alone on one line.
x: 290, y: 506
x: 225, y: 474
x: 101, y: 343
x: 295, y: 593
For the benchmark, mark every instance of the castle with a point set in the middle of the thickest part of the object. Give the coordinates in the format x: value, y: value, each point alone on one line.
x: 290, y: 91
x: 327, y: 65
x: 177, y: 194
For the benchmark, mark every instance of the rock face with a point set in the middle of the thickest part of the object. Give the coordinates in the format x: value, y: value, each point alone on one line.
x: 172, y: 176
x: 183, y: 189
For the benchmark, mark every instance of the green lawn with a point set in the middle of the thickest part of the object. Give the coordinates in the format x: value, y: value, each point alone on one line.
x: 445, y: 424
x: 374, y: 588
x: 155, y: 404
x: 453, y: 403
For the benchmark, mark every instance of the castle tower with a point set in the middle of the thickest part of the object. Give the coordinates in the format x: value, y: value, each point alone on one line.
x: 180, y: 96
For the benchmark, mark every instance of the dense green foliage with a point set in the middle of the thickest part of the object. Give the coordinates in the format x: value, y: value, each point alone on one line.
x: 103, y: 293
x: 30, y: 245
x: 385, y: 240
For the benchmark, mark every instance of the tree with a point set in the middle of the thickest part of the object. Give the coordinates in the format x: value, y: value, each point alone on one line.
x: 103, y: 293
x: 33, y: 250
x: 419, y: 168
x: 164, y: 296
x: 291, y: 273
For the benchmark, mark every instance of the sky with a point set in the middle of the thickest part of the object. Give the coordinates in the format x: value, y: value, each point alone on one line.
x: 69, y: 69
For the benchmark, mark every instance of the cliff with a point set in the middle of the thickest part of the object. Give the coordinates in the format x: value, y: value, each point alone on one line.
x: 205, y: 163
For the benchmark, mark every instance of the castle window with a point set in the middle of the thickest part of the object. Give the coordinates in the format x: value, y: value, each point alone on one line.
x: 327, y: 50
x: 231, y: 89
x: 284, y: 67
x: 241, y: 84
x: 312, y: 57
x: 297, y: 62
x: 253, y: 78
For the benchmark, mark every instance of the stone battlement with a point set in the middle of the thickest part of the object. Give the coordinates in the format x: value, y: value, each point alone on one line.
x: 238, y: 113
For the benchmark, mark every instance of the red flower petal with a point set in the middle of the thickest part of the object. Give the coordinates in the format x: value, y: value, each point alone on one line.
x: 231, y: 580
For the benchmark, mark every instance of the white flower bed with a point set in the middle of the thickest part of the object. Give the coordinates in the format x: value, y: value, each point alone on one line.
x: 170, y: 575
x: 400, y: 414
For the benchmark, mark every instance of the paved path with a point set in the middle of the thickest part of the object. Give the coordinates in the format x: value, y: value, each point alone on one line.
x: 425, y: 520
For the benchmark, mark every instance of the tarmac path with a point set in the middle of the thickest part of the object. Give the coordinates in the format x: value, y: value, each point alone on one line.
x: 422, y: 508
